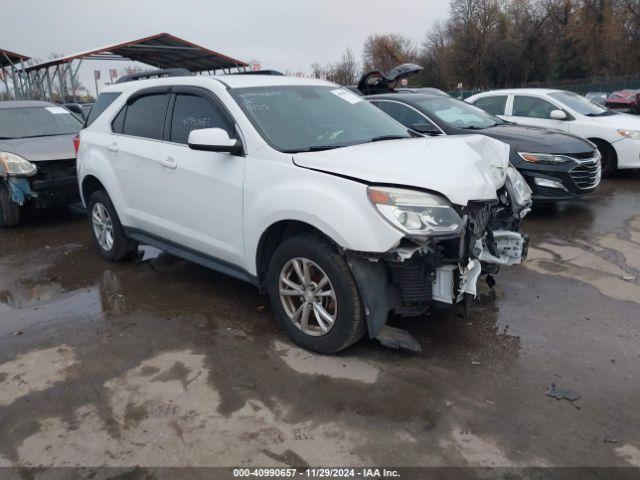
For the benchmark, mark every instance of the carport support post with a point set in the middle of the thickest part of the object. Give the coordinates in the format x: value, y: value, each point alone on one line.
x: 24, y: 76
x: 74, y: 75
x: 63, y: 94
x: 46, y: 73
x: 13, y: 78
x: 5, y: 81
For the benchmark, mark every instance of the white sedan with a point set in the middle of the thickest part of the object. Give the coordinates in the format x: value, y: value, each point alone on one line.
x: 617, y: 135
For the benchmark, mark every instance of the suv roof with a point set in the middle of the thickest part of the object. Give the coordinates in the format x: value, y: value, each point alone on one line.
x: 230, y: 81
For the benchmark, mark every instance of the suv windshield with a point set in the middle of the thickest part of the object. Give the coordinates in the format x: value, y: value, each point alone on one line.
x: 580, y: 104
x: 311, y: 117
x: 458, y: 114
x: 37, y: 122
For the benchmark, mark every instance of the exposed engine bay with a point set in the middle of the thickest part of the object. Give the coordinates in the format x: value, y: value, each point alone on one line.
x: 416, y: 275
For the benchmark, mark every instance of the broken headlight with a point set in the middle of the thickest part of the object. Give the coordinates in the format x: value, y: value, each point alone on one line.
x: 12, y: 165
x: 415, y: 213
x: 518, y: 189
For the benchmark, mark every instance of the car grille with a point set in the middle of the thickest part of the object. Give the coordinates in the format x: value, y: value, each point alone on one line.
x: 586, y: 175
x: 53, y: 169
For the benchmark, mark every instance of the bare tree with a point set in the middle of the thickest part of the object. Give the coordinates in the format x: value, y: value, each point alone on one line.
x: 345, y: 71
x: 383, y: 52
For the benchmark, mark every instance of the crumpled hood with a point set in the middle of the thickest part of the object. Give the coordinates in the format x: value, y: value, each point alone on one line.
x: 462, y: 167
x: 58, y: 147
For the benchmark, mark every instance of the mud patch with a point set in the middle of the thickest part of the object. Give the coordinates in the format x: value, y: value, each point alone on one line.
x: 34, y: 372
x: 309, y: 363
x: 180, y: 407
x: 479, y: 452
x: 629, y: 454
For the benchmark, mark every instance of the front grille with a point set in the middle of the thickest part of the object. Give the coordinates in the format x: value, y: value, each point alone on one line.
x: 582, y: 156
x: 586, y: 175
x: 54, y: 169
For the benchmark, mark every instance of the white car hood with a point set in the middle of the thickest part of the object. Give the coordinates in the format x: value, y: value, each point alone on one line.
x: 461, y: 167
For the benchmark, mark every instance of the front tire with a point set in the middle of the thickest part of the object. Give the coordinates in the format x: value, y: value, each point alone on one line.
x: 107, y: 231
x: 9, y: 210
x: 314, y: 295
x: 609, y: 160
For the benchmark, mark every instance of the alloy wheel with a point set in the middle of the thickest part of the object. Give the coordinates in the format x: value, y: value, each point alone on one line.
x: 308, y: 297
x: 102, y: 226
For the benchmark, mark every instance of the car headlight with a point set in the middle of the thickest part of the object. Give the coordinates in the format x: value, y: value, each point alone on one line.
x: 415, y: 213
x: 635, y: 134
x: 544, y: 158
x: 13, y: 165
x: 518, y: 189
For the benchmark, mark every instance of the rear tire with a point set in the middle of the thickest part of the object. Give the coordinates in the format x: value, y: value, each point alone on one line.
x: 336, y: 295
x: 107, y: 231
x: 9, y: 210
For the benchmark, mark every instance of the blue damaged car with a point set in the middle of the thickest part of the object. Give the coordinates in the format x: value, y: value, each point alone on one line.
x: 37, y: 158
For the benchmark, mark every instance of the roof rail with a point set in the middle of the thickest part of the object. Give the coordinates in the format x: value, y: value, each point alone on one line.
x: 168, y: 72
x: 260, y: 72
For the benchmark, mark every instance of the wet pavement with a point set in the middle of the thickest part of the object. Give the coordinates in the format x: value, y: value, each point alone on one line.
x: 164, y: 363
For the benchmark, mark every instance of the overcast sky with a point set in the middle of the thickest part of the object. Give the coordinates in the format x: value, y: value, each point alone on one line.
x: 281, y: 34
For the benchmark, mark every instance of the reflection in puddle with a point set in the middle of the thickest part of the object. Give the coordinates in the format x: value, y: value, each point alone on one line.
x: 610, y: 263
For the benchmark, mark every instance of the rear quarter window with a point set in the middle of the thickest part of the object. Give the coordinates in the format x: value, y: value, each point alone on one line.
x: 102, y: 103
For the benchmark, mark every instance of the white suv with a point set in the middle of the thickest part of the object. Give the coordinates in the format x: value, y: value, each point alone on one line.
x: 617, y: 135
x: 303, y: 189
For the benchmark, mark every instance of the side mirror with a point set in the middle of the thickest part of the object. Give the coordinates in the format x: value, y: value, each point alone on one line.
x: 214, y: 140
x: 425, y: 128
x: 558, y: 115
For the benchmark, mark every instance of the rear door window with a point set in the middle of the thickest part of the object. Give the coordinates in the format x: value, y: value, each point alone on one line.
x: 145, y: 116
x: 532, y: 107
x: 192, y: 112
x: 494, y: 105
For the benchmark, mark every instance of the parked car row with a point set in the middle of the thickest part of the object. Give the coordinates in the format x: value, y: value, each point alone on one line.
x: 343, y: 205
x: 615, y: 134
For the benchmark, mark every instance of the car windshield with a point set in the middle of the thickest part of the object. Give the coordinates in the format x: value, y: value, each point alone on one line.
x: 458, y: 114
x: 27, y: 122
x: 311, y: 117
x: 581, y: 104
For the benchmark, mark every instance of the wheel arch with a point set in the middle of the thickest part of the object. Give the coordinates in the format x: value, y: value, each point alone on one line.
x: 612, y: 151
x: 90, y: 184
x: 274, y: 235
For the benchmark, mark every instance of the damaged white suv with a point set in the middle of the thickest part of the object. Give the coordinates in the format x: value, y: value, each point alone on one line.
x: 303, y: 189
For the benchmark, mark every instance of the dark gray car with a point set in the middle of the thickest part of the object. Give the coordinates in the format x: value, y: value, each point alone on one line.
x: 37, y: 157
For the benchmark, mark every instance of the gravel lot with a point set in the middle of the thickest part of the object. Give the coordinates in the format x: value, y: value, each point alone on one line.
x: 164, y: 363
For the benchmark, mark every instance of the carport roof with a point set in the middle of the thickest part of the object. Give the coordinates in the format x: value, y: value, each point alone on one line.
x: 8, y: 58
x: 162, y: 51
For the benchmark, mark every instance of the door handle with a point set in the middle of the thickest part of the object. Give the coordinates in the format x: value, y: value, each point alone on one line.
x: 169, y: 163
x: 113, y: 148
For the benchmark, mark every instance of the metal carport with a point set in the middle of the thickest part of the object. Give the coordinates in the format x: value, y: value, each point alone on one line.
x: 161, y: 51
x: 11, y: 66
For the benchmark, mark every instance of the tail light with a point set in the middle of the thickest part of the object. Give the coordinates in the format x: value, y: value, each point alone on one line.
x: 76, y: 143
